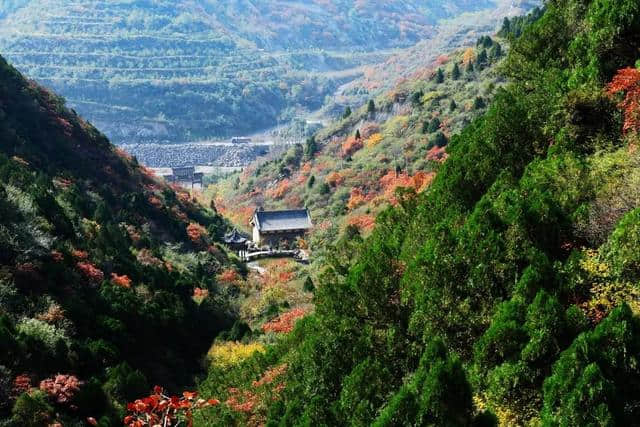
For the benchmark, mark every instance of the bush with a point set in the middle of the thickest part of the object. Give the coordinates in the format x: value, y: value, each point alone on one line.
x: 32, y: 410
x: 125, y: 384
x: 42, y: 332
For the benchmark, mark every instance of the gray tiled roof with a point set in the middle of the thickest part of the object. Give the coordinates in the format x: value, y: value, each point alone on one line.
x: 235, y: 237
x: 283, y: 220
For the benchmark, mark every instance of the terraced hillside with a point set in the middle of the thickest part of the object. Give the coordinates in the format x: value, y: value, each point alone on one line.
x: 167, y: 71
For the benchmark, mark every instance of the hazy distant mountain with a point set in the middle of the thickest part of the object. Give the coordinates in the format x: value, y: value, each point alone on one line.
x: 172, y: 71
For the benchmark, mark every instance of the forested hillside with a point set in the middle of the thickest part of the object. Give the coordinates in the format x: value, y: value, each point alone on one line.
x: 107, y: 275
x: 507, y: 292
x: 349, y: 171
x: 167, y: 71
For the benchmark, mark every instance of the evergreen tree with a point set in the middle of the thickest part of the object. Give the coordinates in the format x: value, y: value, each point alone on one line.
x: 347, y: 112
x: 434, y: 125
x: 371, y: 107
x: 416, y: 98
x: 470, y: 69
x: 455, y: 72
x: 482, y: 59
x: 597, y: 380
x: 439, y: 140
x: 438, y: 394
x: 495, y: 52
x: 357, y: 136
x: 479, y: 103
x: 310, y: 147
x: 506, y: 27
x: 453, y: 105
x: 439, y: 76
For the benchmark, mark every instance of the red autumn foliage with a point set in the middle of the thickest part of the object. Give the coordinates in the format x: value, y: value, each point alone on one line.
x: 21, y: 384
x: 442, y: 59
x: 270, y: 376
x: 628, y: 81
x: 437, y: 154
x: 279, y: 191
x: 356, y: 198
x: 200, y: 294
x: 78, y: 254
x: 122, y: 281
x: 351, y: 145
x: 90, y: 271
x: 229, y: 276
x: 196, y: 232
x: 363, y: 222
x: 285, y: 322
x: 53, y: 315
x: 334, y: 179
x: 242, y: 401
x: 61, y: 388
x: 159, y: 409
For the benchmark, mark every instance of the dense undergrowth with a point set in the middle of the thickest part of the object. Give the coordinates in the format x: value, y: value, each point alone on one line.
x: 505, y: 292
x: 107, y: 275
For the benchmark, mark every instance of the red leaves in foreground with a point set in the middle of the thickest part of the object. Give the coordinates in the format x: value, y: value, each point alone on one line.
x: 285, y: 322
x: 628, y: 81
x: 160, y: 409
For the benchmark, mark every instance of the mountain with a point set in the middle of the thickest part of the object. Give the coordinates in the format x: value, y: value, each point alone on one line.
x: 349, y: 171
x: 107, y: 275
x: 165, y: 71
x: 505, y: 293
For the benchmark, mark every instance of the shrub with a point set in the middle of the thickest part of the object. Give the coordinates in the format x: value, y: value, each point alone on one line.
x: 228, y: 354
x: 42, y: 332
x: 61, y: 388
x: 32, y: 410
x: 125, y: 383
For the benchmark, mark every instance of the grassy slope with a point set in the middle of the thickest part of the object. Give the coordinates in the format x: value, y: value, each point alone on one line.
x: 96, y: 267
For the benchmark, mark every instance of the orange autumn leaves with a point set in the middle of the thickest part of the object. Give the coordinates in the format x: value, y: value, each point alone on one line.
x: 122, y: 281
x: 90, y: 271
x: 351, y: 145
x: 196, y: 232
x: 388, y: 184
x: 627, y: 81
x: 285, y: 322
x: 280, y: 190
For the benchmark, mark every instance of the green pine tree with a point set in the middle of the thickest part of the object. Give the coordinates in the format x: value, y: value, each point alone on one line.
x: 371, y: 107
x: 455, y: 72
